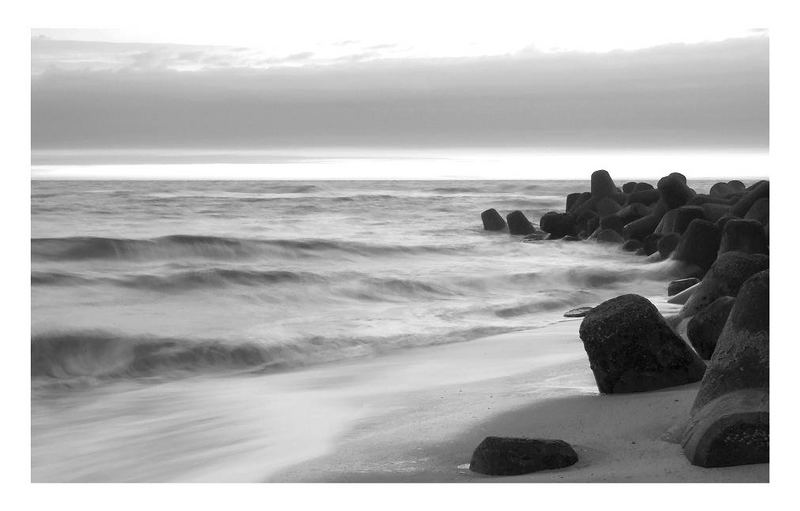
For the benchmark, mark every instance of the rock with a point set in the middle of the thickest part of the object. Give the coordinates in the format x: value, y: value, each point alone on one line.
x: 702, y: 199
x: 699, y: 245
x: 667, y: 223
x: 759, y: 211
x: 606, y: 206
x: 725, y: 190
x: 492, y: 221
x: 612, y: 222
x: 668, y: 243
x: 558, y: 225
x: 587, y: 221
x: 503, y: 456
x: 676, y: 286
x: 578, y: 202
x: 736, y: 185
x: 741, y: 358
x: 684, y: 215
x: 730, y: 430
x: 746, y: 236
x: 705, y: 327
x: 578, y: 312
x: 632, y: 245
x: 572, y: 198
x: 713, y: 212
x: 725, y: 278
x: 641, y: 228
x: 724, y: 220
x: 643, y: 186
x: 518, y: 223
x: 629, y: 186
x: 632, y: 212
x: 757, y: 191
x: 674, y: 191
x: 645, y: 197
x: 609, y: 236
x: 602, y: 184
x: 571, y: 238
x: 632, y: 349
x: 650, y: 245
x: 683, y: 296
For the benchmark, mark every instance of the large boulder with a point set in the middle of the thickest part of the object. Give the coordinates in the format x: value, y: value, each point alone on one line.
x: 632, y: 349
x: 578, y: 202
x: 757, y: 191
x: 518, y: 223
x: 667, y: 223
x: 572, y: 198
x: 725, y: 278
x: 646, y: 197
x: 676, y: 286
x: 629, y: 186
x: 684, y: 215
x: 741, y: 358
x: 641, y: 228
x: 705, y: 327
x: 503, y: 456
x: 725, y: 190
x: 602, y: 184
x: 606, y: 206
x: 643, y: 186
x: 699, y: 245
x: 558, y: 225
x: 632, y: 212
x: 744, y: 236
x: 612, y: 222
x: 674, y: 190
x: 714, y: 212
x: 733, y: 429
x: 759, y: 211
x: 492, y: 221
x: 668, y: 243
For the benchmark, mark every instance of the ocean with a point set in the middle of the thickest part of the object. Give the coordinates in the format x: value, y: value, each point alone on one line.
x: 153, y: 301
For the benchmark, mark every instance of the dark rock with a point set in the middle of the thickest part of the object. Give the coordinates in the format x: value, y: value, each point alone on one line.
x: 571, y: 238
x: 650, y: 244
x: 684, y: 215
x: 702, y: 199
x: 518, y: 223
x: 699, y: 245
x: 724, y: 220
x: 629, y: 186
x: 725, y: 278
x: 582, y: 199
x: 492, y: 221
x: 632, y: 349
x: 609, y: 236
x: 746, y: 236
x: 632, y: 212
x: 578, y: 312
x: 667, y: 223
x: 737, y: 186
x: 705, y: 327
x: 602, y: 184
x: 612, y: 222
x: 632, y: 245
x: 676, y: 286
x: 643, y: 186
x: 757, y: 191
x: 724, y: 190
x: 674, y: 191
x: 587, y: 221
x: 645, y: 197
x: 668, y: 243
x: 572, y: 198
x: 759, y: 211
x: 641, y: 228
x: 713, y: 212
x: 558, y: 225
x: 741, y: 358
x: 502, y: 456
x: 606, y: 206
x: 731, y: 430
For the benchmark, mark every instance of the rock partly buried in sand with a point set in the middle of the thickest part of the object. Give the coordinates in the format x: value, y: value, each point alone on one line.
x: 676, y: 286
x: 503, y: 456
x: 725, y: 278
x: 518, y: 223
x: 632, y: 349
x: 744, y: 236
x: 705, y: 327
x: 492, y: 221
x: 731, y: 430
x: 741, y: 358
x: 578, y: 312
x: 699, y: 245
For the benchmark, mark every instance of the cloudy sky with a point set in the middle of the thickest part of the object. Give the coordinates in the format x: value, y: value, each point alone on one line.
x: 644, y: 87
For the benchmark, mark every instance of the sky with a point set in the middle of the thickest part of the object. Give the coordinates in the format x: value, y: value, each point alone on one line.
x: 537, y: 85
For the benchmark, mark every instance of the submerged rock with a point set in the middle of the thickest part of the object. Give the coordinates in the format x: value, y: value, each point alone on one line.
x: 504, y: 456
x: 492, y: 221
x: 632, y: 349
x: 518, y: 223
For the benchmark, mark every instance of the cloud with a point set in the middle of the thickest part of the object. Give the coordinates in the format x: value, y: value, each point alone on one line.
x: 683, y: 95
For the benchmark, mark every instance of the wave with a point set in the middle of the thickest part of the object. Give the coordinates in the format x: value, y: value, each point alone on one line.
x: 213, y: 247
x: 95, y: 356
